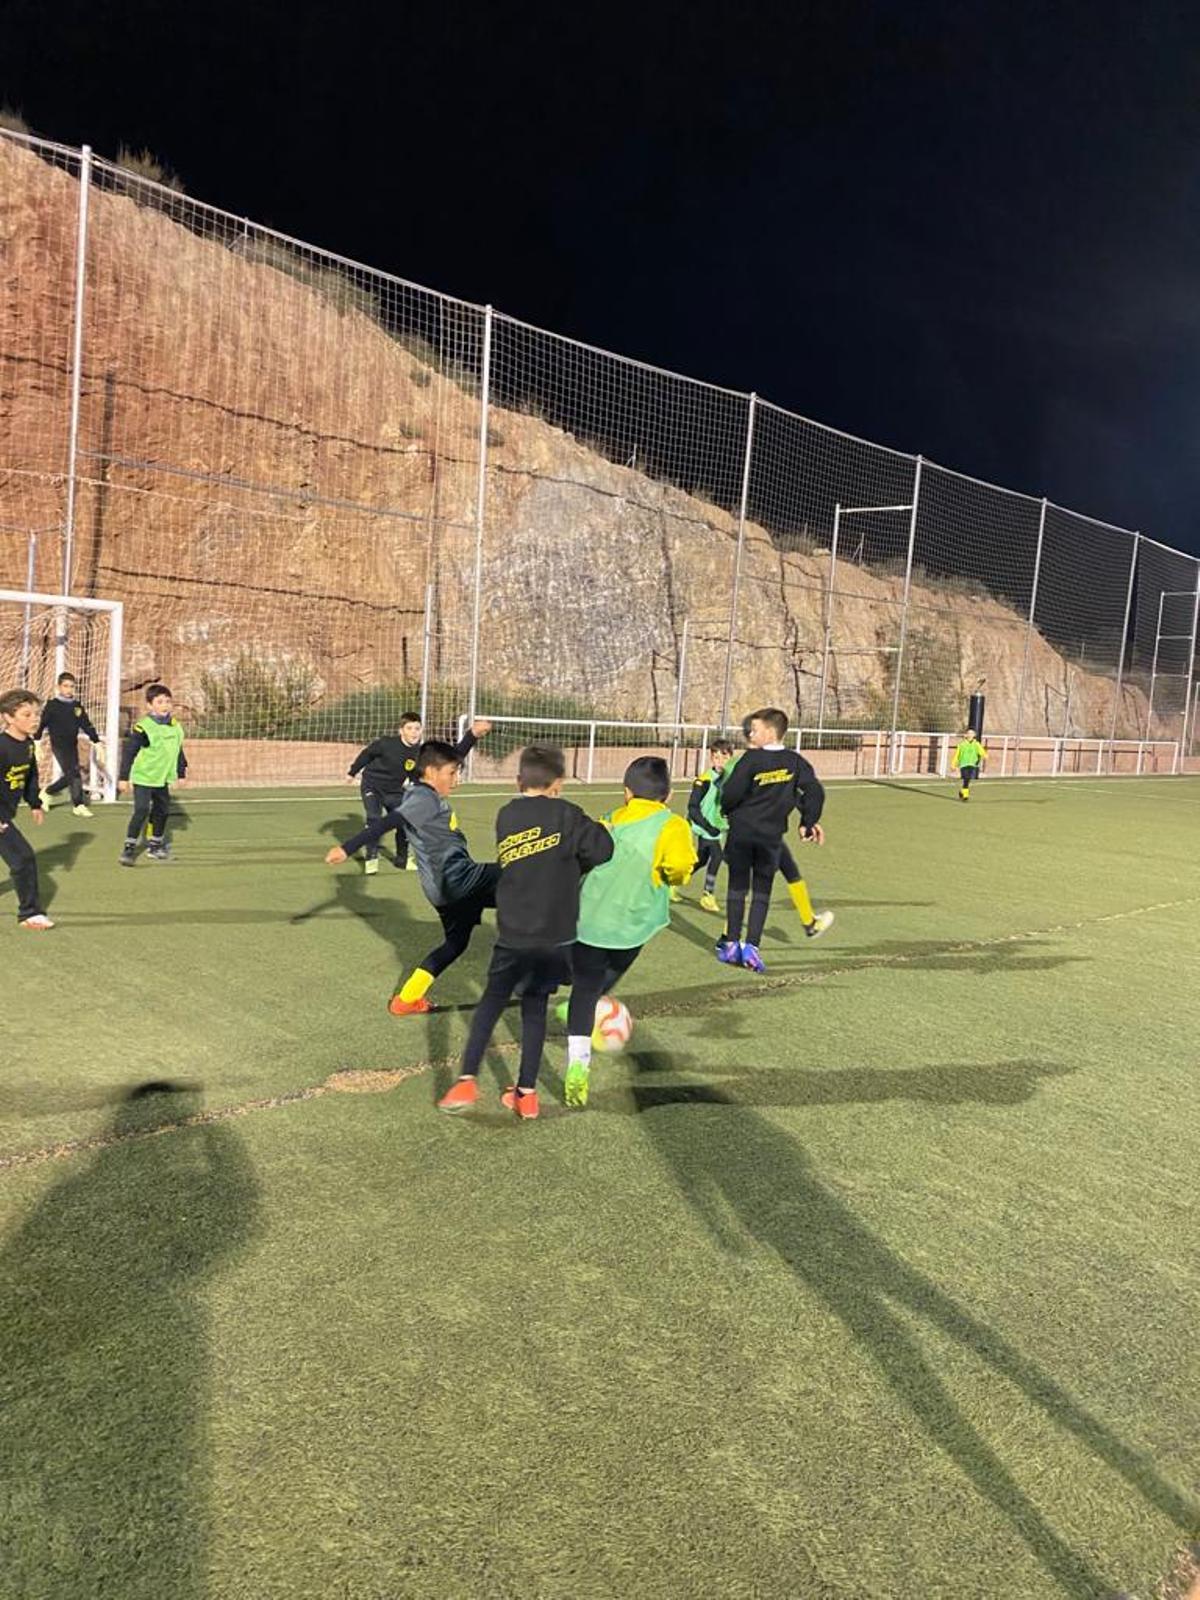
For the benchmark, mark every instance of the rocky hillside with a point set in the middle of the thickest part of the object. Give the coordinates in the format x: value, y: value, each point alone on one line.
x: 267, y: 471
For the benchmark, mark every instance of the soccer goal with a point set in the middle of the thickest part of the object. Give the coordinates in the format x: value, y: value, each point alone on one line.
x: 42, y: 635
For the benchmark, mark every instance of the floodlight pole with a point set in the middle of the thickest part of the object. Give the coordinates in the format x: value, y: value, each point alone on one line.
x: 1154, y: 663
x: 1037, y: 572
x: 837, y: 517
x: 1112, y: 732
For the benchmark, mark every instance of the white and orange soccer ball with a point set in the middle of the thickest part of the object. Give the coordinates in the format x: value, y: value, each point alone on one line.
x: 613, y: 1025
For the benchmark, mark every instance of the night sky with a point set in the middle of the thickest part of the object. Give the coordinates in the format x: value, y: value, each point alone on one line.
x: 970, y: 230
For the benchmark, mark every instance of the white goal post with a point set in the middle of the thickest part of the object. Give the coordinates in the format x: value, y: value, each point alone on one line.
x: 42, y: 635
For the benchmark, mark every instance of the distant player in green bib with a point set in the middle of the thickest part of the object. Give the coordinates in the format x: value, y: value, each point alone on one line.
x: 969, y: 757
x: 151, y: 759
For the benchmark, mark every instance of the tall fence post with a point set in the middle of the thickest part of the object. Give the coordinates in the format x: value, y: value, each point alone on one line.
x: 426, y: 643
x: 480, y: 498
x: 680, y: 680
x: 1191, y: 669
x: 737, y: 561
x: 1037, y: 572
x: 833, y: 549
x: 908, y: 566
x: 26, y: 642
x: 112, y: 702
x: 1112, y: 732
x: 81, y: 237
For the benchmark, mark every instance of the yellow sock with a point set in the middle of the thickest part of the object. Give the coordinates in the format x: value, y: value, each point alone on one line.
x: 416, y: 985
x: 799, y: 894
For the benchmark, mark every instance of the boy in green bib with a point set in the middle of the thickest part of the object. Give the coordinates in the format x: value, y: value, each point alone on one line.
x: 969, y: 757
x: 708, y: 822
x: 624, y: 903
x: 152, y: 757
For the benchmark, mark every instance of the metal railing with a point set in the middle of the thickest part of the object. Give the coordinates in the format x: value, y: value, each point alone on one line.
x: 599, y: 749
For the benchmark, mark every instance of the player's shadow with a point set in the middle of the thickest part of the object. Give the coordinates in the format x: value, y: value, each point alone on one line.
x: 784, y: 977
x: 994, y: 1083
x: 104, y: 1432
x: 339, y: 828
x: 179, y: 818
x: 754, y: 1187
x: 1018, y: 954
x: 61, y: 856
x: 409, y: 937
x: 951, y: 795
x: 385, y: 915
x: 28, y: 1097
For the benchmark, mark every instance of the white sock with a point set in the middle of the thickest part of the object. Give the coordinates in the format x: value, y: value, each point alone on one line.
x: 579, y: 1048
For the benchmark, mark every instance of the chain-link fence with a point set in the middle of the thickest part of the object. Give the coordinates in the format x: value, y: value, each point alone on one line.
x: 326, y: 496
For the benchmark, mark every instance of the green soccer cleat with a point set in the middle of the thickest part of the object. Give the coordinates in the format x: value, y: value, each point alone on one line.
x: 371, y: 866
x: 576, y: 1084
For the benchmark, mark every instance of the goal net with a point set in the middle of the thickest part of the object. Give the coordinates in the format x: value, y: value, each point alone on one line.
x: 42, y: 635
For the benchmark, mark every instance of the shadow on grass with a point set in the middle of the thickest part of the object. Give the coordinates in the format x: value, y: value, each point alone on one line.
x: 58, y: 857
x: 61, y: 857
x: 748, y: 1180
x: 997, y: 1083
x: 104, y: 1422
x: 1012, y: 956
x: 214, y: 917
x: 951, y: 792
x: 410, y: 937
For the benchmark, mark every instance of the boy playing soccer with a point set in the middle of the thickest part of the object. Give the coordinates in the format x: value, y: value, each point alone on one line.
x: 151, y: 759
x: 758, y: 797
x: 814, y: 923
x: 64, y: 719
x: 624, y: 903
x: 709, y: 826
x: 388, y: 765
x: 19, y: 777
x: 969, y: 757
x: 544, y: 845
x: 459, y: 889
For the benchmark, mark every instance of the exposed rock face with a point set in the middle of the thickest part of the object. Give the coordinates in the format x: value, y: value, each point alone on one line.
x: 265, y: 469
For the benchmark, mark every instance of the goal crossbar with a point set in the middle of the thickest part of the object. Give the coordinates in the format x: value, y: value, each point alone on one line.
x: 115, y: 611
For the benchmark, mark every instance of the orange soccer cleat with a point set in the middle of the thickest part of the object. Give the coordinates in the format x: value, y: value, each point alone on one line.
x: 460, y: 1096
x: 525, y: 1105
x: 408, y: 1008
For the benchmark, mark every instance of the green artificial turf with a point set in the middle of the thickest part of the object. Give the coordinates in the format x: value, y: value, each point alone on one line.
x: 874, y: 1276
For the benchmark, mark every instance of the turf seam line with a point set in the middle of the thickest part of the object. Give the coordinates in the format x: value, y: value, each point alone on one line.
x: 381, y: 1079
